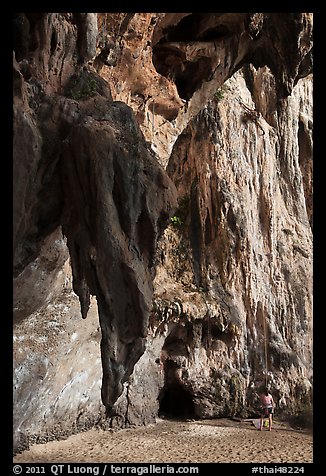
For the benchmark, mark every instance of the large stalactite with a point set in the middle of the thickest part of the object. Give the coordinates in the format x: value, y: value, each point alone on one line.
x: 112, y: 224
x: 99, y: 101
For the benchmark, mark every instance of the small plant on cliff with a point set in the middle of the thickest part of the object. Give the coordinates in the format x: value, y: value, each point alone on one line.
x: 220, y: 93
x: 180, y: 217
x: 201, y: 289
x: 83, y: 86
x: 176, y: 221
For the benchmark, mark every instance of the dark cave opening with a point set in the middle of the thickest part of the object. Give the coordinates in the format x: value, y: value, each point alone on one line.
x: 174, y: 399
x: 176, y: 402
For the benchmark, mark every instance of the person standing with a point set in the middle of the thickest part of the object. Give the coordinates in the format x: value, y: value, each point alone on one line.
x: 267, y: 408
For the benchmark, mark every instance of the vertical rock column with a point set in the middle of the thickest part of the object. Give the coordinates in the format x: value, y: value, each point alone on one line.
x: 117, y: 200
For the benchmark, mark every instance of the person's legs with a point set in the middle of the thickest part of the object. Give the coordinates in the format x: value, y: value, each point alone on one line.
x: 261, y: 422
x: 270, y: 421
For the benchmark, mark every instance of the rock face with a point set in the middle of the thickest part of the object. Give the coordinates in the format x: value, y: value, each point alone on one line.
x: 174, y: 151
x: 113, y: 215
x: 236, y: 310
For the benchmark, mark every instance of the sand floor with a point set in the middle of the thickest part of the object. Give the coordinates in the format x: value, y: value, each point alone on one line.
x: 195, y: 441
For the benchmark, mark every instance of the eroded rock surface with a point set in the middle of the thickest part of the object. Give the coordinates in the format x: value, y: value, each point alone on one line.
x: 114, y: 213
x: 237, y: 309
x: 103, y: 104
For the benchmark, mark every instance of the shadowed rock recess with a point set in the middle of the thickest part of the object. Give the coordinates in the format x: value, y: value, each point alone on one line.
x: 163, y: 179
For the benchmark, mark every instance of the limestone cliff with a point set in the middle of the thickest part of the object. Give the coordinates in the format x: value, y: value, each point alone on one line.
x: 174, y: 153
x: 236, y: 309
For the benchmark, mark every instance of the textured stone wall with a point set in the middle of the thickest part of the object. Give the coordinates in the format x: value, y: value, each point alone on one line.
x: 115, y: 115
x: 234, y: 287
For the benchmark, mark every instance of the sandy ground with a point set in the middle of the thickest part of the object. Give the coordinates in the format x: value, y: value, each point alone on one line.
x: 204, y: 441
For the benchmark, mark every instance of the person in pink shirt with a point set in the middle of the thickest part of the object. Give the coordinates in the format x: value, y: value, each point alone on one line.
x: 267, y: 406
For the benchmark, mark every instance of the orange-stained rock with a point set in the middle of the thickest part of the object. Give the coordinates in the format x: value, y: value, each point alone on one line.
x: 114, y: 113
